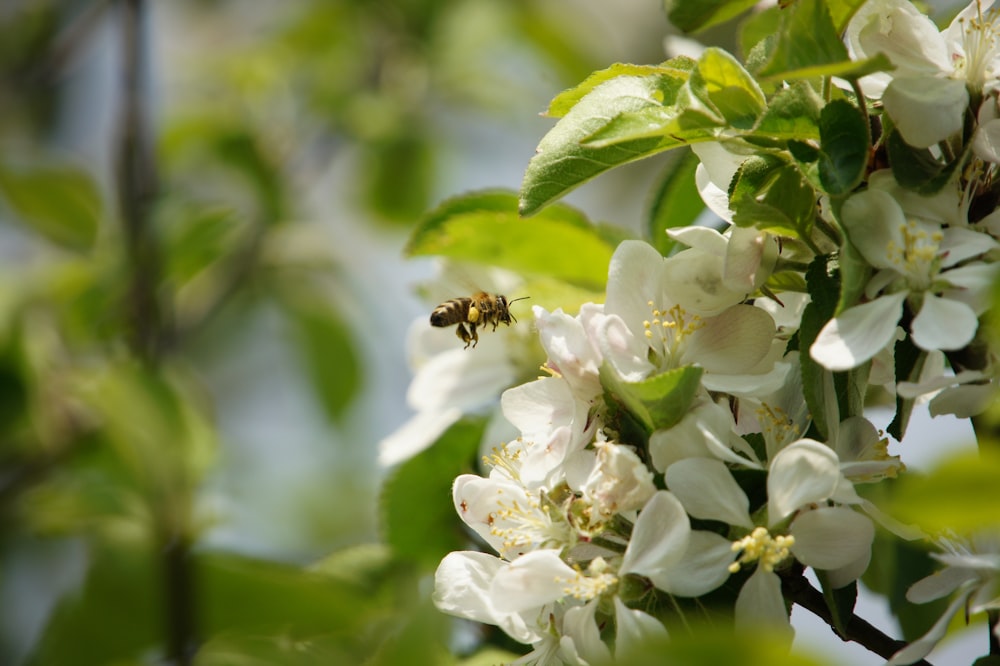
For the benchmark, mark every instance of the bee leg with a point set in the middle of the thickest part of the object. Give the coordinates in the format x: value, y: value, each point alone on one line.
x: 473, y: 336
x: 463, y: 335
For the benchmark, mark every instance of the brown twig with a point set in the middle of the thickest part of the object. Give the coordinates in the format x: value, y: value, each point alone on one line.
x: 137, y: 188
x: 798, y: 590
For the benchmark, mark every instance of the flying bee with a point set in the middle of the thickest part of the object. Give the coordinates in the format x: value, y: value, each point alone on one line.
x: 480, y: 309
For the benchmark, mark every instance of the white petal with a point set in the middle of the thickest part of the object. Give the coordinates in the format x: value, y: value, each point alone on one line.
x: 804, y: 472
x: 708, y: 490
x: 961, y: 243
x: 750, y: 259
x: 732, y: 342
x: 831, y: 537
x: 416, y: 435
x: 760, y: 604
x: 457, y: 378
x: 908, y: 37
x: 705, y: 239
x: 921, y: 647
x: 705, y: 566
x: 964, y: 401
x: 570, y: 350
x: 635, y: 277
x: 659, y: 537
x: 716, y: 198
x: 580, y: 625
x: 461, y: 588
x: 972, y: 285
x: 939, y: 584
x: 634, y: 629
x: 693, y: 279
x: 874, y: 220
x: 986, y: 141
x: 926, y: 110
x: 858, y: 333
x: 534, y: 579
x: 943, y: 324
x: 623, y: 350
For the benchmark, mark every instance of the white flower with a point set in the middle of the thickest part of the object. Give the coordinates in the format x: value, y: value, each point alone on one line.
x: 917, y: 264
x: 928, y: 93
x: 647, y: 330
x: 802, y: 479
x: 570, y: 343
x: 619, y: 482
x: 973, y: 572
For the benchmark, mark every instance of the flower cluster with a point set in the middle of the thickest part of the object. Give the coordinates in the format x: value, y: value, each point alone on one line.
x: 702, y: 431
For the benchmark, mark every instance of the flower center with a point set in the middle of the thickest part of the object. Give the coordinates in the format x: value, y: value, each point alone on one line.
x: 667, y: 332
x: 917, y: 258
x: 776, y: 426
x: 596, y: 581
x: 760, y: 546
x: 980, y: 41
x: 528, y: 526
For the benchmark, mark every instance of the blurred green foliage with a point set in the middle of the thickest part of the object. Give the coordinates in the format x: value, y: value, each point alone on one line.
x: 188, y: 223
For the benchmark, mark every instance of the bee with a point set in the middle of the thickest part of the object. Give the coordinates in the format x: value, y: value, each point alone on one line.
x: 480, y: 309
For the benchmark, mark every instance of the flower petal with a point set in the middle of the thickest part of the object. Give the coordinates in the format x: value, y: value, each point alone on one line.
x: 831, y: 537
x: 659, y: 537
x: 760, y: 603
x: 858, y: 333
x: 634, y: 629
x: 943, y: 324
x: 534, y: 579
x: 804, y: 472
x: 926, y: 110
x: 708, y: 490
x: 939, y: 584
x: 921, y: 647
x: 732, y: 342
x: 705, y: 566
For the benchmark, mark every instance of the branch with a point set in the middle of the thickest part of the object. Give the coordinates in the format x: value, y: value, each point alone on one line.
x: 798, y: 590
x: 144, y: 315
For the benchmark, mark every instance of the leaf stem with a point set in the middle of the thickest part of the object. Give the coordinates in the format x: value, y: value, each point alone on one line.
x: 798, y: 590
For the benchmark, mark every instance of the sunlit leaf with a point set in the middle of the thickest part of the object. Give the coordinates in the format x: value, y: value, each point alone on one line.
x: 843, y: 147
x: 484, y: 227
x: 694, y: 15
x: 792, y: 113
x: 60, y: 203
x: 657, y: 402
x: 566, y: 100
x: 721, y: 81
x: 809, y: 45
x: 427, y: 535
x: 562, y: 162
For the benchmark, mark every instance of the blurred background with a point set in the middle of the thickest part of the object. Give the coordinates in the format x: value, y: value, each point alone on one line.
x: 205, y: 302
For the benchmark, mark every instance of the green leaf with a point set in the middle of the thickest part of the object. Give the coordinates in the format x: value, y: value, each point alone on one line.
x: 657, y: 402
x: 676, y: 202
x: 60, y: 203
x: 566, y: 100
x: 917, y: 168
x: 694, y: 15
x: 772, y: 195
x: 484, y: 227
x: 841, y: 12
x: 328, y: 352
x: 720, y: 81
x: 425, y: 481
x: 561, y: 162
x: 395, y: 198
x: 115, y: 616
x: 823, y: 290
x: 959, y: 496
x: 757, y: 27
x: 840, y: 601
x: 843, y: 147
x: 792, y: 113
x: 808, y: 45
